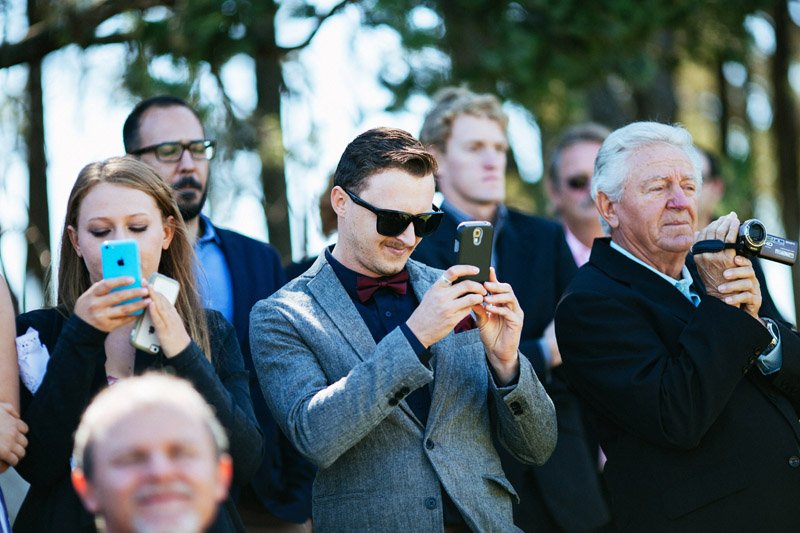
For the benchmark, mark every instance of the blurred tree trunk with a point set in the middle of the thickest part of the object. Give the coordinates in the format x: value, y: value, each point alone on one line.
x: 785, y: 129
x: 267, y: 118
x: 724, y: 107
x: 38, y: 231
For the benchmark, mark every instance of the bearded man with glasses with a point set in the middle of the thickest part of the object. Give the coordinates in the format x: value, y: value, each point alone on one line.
x: 233, y: 273
x: 391, y: 376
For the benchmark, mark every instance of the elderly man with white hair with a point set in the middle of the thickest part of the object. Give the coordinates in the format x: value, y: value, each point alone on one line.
x: 693, y: 391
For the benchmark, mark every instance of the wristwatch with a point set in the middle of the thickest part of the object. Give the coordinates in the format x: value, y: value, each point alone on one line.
x: 772, y: 327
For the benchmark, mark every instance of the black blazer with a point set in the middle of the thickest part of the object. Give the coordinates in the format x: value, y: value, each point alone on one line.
x: 283, y: 482
x: 532, y: 255
x: 697, y: 438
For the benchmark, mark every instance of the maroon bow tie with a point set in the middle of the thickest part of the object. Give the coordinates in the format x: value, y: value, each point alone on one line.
x: 366, y: 286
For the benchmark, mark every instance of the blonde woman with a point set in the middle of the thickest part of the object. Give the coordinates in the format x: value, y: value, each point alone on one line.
x: 86, y: 337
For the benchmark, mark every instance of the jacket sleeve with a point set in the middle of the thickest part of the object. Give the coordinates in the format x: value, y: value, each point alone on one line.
x: 76, y: 356
x: 525, y: 415
x: 615, y: 357
x: 224, y: 385
x: 323, y: 420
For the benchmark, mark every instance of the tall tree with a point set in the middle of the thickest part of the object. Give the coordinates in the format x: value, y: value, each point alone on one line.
x: 210, y: 32
x: 51, y: 26
x: 785, y: 129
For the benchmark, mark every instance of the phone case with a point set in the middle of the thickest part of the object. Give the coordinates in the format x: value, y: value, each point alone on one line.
x: 474, y: 247
x: 121, y: 258
x: 143, y: 334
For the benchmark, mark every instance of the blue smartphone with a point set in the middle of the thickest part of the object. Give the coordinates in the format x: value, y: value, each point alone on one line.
x: 121, y: 258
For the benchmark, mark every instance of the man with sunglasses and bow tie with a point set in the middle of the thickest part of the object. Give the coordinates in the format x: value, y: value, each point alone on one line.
x: 233, y: 273
x: 390, y: 375
x: 466, y: 132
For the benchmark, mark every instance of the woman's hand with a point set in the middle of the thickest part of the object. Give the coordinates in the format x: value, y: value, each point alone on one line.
x: 169, y: 326
x: 98, y: 306
x: 12, y: 437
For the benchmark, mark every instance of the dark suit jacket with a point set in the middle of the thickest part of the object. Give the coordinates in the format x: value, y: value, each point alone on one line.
x: 533, y: 257
x: 283, y: 482
x: 697, y: 438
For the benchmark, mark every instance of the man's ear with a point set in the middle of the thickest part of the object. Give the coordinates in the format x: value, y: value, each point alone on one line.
x: 85, y: 490
x: 607, y: 209
x: 73, y: 239
x: 339, y: 201
x: 225, y: 475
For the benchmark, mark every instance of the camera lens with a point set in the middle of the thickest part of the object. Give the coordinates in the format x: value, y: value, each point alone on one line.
x: 757, y: 232
x: 754, y: 234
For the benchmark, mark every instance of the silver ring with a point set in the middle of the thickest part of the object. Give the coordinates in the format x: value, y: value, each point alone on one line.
x: 446, y: 281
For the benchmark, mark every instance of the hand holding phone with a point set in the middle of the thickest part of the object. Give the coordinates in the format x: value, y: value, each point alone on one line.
x: 143, y: 334
x: 121, y: 258
x: 474, y: 247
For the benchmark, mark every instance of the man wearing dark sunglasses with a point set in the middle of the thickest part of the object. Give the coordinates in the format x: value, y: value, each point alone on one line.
x: 467, y: 134
x: 233, y: 273
x: 569, y: 186
x: 390, y: 375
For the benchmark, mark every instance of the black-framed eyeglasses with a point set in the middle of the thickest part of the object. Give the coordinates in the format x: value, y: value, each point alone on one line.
x: 170, y: 152
x: 578, y: 182
x: 390, y: 223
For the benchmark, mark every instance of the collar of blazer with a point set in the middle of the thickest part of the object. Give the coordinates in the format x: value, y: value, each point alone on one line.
x: 326, y: 288
x: 639, y: 279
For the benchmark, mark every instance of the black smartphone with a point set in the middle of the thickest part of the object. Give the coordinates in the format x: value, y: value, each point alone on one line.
x: 474, y: 247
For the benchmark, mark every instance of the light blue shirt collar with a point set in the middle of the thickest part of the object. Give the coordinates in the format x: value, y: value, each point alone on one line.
x: 682, y: 284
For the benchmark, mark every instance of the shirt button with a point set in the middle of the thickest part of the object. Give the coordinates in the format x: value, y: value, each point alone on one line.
x: 393, y: 401
x: 430, y: 503
x: 430, y: 444
x: 794, y: 461
x: 404, y: 391
x: 388, y: 314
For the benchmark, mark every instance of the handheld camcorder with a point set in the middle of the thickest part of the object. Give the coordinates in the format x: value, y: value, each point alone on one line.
x: 753, y: 240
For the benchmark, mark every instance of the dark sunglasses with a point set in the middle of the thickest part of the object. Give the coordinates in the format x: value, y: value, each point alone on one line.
x: 392, y: 223
x: 578, y: 182
x: 170, y: 152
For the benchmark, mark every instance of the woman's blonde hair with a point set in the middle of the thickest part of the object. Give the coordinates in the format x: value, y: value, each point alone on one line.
x: 176, y: 261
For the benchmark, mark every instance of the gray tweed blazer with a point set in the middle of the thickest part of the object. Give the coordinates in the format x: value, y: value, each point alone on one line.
x: 339, y: 399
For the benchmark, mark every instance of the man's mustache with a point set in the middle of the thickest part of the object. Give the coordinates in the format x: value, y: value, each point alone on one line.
x: 187, y: 182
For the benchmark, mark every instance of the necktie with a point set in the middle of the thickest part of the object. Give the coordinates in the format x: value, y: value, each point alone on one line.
x: 683, y: 286
x: 366, y: 286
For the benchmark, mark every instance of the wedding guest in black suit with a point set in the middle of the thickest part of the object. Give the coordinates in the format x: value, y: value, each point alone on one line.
x: 693, y: 388
x: 467, y: 134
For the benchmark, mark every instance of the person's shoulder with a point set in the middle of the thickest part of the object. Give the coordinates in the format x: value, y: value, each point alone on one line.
x: 228, y: 236
x: 41, y: 318
x: 534, y: 223
x: 296, y: 292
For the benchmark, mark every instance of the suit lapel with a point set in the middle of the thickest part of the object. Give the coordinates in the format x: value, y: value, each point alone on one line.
x: 447, y: 349
x: 640, y: 279
x: 334, y: 300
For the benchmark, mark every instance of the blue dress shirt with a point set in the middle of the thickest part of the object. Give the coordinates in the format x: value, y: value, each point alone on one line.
x: 212, y: 272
